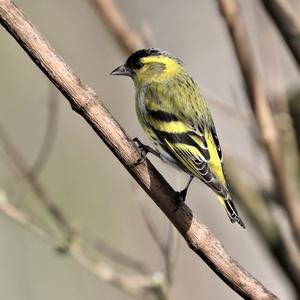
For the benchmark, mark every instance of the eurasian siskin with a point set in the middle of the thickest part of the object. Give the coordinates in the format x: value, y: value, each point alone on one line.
x: 176, y: 118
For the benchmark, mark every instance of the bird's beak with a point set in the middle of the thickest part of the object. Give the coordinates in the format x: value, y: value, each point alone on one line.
x: 122, y: 70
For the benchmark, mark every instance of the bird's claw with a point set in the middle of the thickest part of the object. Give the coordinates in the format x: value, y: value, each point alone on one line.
x: 143, y: 151
x: 180, y: 198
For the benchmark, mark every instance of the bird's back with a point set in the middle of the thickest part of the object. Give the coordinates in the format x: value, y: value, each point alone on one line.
x: 180, y: 126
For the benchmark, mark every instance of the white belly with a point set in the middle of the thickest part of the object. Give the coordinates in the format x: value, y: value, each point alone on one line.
x: 167, y: 158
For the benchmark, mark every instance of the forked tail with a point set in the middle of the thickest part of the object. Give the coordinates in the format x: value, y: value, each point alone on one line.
x: 231, y: 211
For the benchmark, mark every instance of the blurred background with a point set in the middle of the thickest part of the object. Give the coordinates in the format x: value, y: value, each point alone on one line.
x: 41, y: 135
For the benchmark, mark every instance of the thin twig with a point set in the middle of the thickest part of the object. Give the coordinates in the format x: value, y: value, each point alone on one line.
x: 232, y: 111
x: 278, y: 94
x: 36, y: 186
x: 170, y: 254
x: 131, y: 41
x: 165, y: 247
x: 20, y: 217
x: 85, y: 102
x: 127, y: 38
x: 118, y: 257
x: 261, y: 109
x: 20, y: 164
x: 260, y: 213
x: 294, y: 109
x: 151, y: 226
x: 287, y: 21
x: 49, y: 136
x: 138, y: 285
x: 135, y: 285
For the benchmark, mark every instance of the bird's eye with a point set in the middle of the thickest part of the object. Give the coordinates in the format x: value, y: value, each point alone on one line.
x: 138, y: 65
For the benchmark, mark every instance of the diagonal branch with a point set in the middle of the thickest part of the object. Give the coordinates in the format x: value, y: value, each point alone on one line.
x: 100, y: 246
x: 85, y: 102
x: 261, y: 109
x: 139, y: 285
x: 267, y: 226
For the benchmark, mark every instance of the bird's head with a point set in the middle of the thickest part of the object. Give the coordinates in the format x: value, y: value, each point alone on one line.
x: 149, y: 65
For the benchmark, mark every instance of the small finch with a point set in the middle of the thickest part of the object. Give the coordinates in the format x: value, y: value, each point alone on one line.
x: 176, y: 119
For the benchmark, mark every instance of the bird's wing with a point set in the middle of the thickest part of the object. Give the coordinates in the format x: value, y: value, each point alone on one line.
x: 196, y: 150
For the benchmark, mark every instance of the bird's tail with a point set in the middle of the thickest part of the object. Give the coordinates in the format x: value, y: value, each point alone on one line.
x: 231, y: 211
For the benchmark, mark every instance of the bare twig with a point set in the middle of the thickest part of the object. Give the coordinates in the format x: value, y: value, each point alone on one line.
x: 50, y: 134
x: 232, y: 111
x: 37, y: 188
x: 85, y: 102
x: 287, y: 22
x: 127, y: 38
x: 135, y: 285
x: 267, y: 226
x: 132, y: 41
x: 23, y: 219
x: 153, y: 229
x: 294, y: 109
x: 165, y: 246
x: 276, y: 88
x: 170, y: 254
x: 118, y: 257
x: 138, y: 285
x: 261, y: 110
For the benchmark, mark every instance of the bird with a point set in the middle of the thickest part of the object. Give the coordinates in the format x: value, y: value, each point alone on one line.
x: 175, y: 116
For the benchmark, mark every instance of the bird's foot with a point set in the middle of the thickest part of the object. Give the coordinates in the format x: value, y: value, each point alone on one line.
x: 180, y: 198
x: 144, y: 150
x: 181, y: 195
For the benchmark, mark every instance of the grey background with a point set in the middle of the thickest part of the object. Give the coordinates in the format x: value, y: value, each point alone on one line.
x: 84, y: 178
